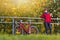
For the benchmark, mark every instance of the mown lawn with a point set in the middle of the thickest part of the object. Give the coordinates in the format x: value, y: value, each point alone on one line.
x: 30, y: 37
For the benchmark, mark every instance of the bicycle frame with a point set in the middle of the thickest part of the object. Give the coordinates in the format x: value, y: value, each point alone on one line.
x: 27, y: 30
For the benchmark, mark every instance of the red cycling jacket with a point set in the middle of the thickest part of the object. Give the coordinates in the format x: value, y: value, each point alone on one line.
x: 46, y: 16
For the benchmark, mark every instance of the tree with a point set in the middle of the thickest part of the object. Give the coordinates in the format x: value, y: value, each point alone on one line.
x: 54, y: 7
x: 22, y: 7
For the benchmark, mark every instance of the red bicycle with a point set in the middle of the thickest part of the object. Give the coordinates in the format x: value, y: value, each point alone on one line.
x: 21, y: 29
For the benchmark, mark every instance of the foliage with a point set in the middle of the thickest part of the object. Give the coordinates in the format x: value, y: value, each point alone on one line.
x: 54, y: 8
x: 22, y: 7
x: 27, y: 8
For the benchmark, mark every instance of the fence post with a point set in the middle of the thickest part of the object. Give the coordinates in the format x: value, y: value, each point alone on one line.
x: 13, y: 28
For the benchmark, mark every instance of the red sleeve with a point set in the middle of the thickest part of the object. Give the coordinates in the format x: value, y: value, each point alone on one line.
x: 42, y: 16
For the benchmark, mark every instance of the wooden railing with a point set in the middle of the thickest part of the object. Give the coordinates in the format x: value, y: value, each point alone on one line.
x: 28, y: 18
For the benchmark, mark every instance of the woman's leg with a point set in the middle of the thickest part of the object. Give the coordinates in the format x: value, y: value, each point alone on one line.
x: 50, y: 28
x: 46, y: 27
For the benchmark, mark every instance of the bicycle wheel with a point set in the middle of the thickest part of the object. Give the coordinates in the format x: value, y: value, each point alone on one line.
x: 34, y: 30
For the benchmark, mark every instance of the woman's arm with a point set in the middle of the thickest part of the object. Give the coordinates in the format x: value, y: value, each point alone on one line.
x: 42, y: 16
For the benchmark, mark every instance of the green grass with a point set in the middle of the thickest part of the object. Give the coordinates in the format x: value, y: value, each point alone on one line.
x: 29, y: 37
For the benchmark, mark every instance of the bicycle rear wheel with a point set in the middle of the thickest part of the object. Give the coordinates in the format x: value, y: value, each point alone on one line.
x: 34, y: 30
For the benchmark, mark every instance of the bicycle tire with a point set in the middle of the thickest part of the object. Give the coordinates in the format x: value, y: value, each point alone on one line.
x: 36, y: 31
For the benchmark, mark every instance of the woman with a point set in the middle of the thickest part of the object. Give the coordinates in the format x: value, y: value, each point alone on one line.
x: 47, y: 21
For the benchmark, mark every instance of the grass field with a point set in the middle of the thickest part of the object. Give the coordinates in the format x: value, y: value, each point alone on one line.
x: 30, y: 37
